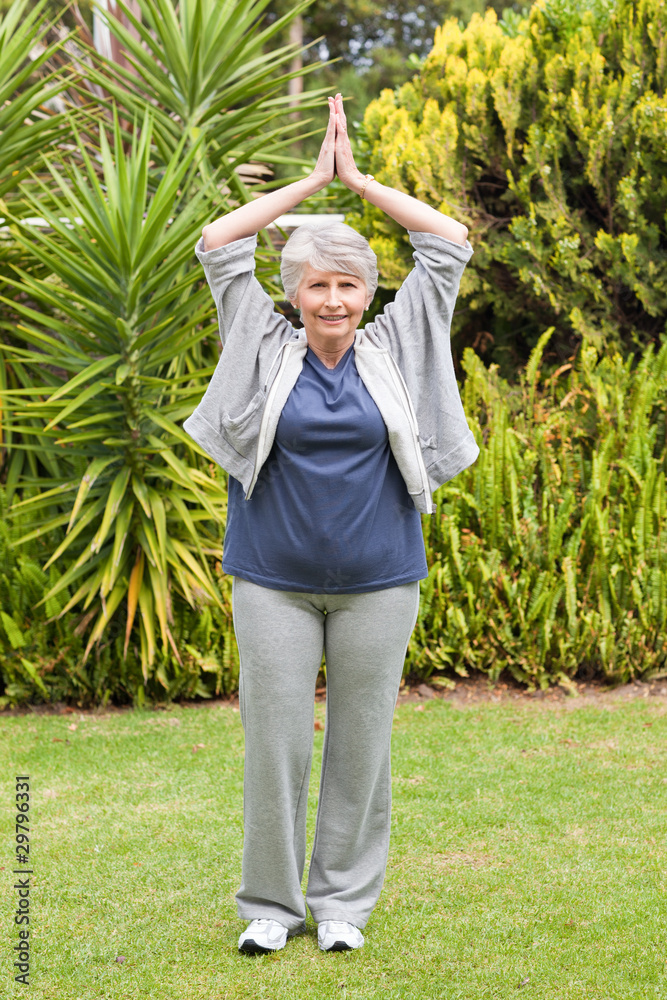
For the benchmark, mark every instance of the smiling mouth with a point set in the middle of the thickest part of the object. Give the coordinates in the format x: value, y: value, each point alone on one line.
x: 333, y: 319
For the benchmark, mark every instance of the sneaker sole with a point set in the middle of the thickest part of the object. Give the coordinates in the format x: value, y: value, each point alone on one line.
x: 340, y: 946
x: 251, y: 947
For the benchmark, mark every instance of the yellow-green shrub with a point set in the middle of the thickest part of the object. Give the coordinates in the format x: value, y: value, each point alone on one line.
x: 551, y: 146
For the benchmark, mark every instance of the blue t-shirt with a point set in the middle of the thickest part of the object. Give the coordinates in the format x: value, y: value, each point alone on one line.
x: 330, y: 512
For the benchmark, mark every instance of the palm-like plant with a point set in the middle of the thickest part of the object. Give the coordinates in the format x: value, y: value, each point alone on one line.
x: 206, y: 67
x: 110, y: 351
x: 26, y: 126
x: 105, y: 380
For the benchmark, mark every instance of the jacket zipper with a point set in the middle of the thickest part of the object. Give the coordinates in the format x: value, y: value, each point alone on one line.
x: 265, y: 415
x: 268, y: 375
x: 407, y: 403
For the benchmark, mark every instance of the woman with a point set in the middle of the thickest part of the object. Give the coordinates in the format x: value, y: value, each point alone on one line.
x: 334, y: 438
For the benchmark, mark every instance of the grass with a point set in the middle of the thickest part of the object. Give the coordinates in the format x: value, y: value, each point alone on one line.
x: 527, y: 859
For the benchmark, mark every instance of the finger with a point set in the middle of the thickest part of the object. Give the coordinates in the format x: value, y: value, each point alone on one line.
x: 331, y: 124
x: 342, y: 134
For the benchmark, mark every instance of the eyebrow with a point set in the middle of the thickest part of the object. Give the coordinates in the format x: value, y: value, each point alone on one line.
x: 321, y: 281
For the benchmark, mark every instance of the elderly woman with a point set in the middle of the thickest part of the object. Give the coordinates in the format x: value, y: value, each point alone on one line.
x: 334, y: 438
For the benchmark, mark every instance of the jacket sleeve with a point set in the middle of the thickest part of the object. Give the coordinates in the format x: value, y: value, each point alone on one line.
x: 419, y: 319
x: 241, y: 302
x: 415, y: 328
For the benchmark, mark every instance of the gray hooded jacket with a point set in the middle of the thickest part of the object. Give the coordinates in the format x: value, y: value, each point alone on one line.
x: 403, y: 358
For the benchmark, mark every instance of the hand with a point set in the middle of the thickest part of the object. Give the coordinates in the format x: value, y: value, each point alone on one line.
x: 324, y: 171
x: 346, y: 168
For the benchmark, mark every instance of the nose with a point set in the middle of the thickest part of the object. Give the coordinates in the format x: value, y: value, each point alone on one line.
x: 333, y: 297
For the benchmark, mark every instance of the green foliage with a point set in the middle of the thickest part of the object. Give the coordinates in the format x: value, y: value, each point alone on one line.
x: 548, y: 557
x: 42, y: 646
x: 105, y: 384
x: 108, y: 341
x: 27, y: 124
x: 25, y: 128
x: 378, y: 38
x: 547, y: 139
x: 210, y: 71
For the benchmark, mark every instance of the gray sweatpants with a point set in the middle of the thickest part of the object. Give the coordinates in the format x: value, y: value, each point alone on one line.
x: 281, y: 635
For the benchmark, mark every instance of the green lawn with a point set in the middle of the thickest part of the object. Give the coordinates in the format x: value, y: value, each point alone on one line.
x: 528, y: 858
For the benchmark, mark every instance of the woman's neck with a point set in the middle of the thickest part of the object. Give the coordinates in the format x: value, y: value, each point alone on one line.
x: 330, y: 354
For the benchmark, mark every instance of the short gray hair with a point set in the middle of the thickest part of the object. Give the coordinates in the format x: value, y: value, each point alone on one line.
x: 333, y: 247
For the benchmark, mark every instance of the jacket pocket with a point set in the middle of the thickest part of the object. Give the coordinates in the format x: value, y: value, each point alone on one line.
x: 241, y: 431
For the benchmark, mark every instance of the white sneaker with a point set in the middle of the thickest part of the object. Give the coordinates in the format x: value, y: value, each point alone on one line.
x: 338, y: 935
x: 264, y: 935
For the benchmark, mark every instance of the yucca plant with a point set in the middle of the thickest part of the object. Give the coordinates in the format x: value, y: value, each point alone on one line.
x: 41, y: 650
x: 105, y: 380
x: 39, y: 659
x: 108, y: 342
x: 27, y: 127
x: 207, y: 68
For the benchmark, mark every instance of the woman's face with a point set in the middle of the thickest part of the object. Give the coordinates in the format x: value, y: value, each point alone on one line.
x: 331, y: 304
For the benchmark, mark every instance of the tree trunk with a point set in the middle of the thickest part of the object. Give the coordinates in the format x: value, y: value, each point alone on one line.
x: 295, y: 86
x: 105, y: 42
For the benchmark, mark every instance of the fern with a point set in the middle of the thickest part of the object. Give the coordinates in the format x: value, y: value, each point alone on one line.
x: 564, y: 513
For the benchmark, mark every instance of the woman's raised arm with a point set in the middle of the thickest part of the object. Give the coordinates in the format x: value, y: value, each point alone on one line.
x: 406, y: 210
x: 249, y: 219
